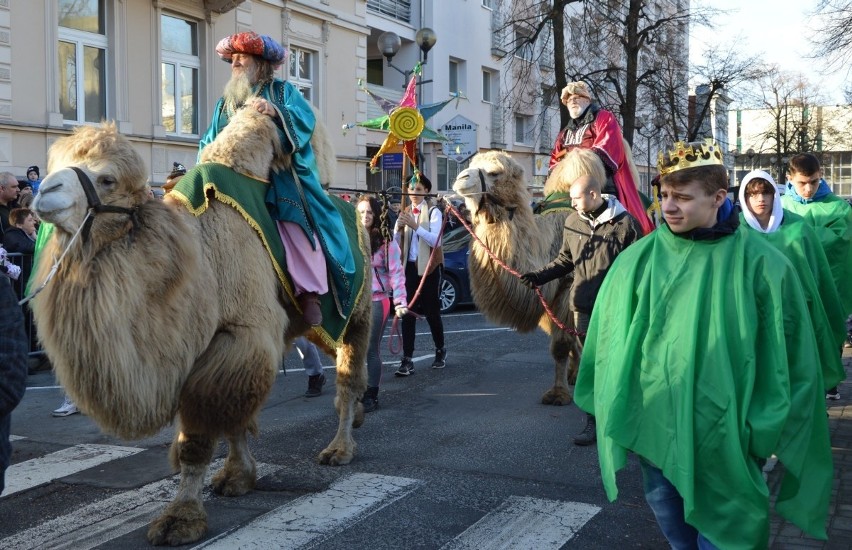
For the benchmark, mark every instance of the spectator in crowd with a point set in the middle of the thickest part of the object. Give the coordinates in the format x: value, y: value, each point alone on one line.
x: 594, y: 235
x: 13, y: 368
x: 178, y: 171
x: 418, y: 229
x: 34, y: 178
x: 25, y: 196
x: 796, y: 239
x: 591, y: 127
x: 809, y: 196
x: 388, y: 281
x: 20, y: 238
x: 8, y: 199
x: 700, y: 360
x: 313, y: 366
x: 311, y: 229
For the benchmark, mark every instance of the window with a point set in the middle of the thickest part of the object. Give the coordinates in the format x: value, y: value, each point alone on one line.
x: 82, y: 60
x: 302, y: 72
x: 179, y: 75
x: 523, y: 44
x: 488, y: 4
x: 454, y: 76
x: 523, y: 129
x: 448, y: 171
x: 489, y: 82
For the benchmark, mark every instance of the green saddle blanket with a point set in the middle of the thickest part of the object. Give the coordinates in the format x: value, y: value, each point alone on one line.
x: 212, y: 181
x: 554, y: 202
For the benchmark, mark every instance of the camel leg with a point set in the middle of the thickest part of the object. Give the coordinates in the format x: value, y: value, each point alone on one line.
x: 184, y: 519
x: 561, y: 346
x: 238, y: 475
x: 351, y: 382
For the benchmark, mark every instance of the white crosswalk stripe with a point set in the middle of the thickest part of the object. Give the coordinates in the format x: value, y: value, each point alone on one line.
x: 307, y: 521
x: 38, y: 471
x: 312, y: 518
x: 524, y: 522
x: 110, y: 518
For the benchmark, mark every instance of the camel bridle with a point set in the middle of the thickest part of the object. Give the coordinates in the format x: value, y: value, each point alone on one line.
x: 487, y: 197
x: 97, y: 207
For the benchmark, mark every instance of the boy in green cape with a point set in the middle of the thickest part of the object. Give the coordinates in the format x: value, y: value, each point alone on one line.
x: 699, y: 359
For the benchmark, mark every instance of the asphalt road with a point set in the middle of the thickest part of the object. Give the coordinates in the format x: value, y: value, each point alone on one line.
x: 464, y: 457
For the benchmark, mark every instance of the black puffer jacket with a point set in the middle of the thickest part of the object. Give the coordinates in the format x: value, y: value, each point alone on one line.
x: 589, y: 246
x: 13, y: 367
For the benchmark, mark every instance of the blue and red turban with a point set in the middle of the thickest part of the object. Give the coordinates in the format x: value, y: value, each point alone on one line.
x: 252, y: 43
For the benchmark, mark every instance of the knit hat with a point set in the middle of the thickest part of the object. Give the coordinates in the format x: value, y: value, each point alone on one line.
x: 177, y: 170
x: 252, y: 43
x: 33, y: 169
x: 579, y: 88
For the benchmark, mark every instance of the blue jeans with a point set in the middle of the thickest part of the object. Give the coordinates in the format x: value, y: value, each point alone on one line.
x: 667, y: 505
x: 310, y: 356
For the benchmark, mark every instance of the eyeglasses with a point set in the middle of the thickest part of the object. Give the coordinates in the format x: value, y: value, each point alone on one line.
x: 575, y: 99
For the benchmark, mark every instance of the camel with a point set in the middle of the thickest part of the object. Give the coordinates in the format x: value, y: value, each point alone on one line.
x: 157, y: 315
x: 495, y: 191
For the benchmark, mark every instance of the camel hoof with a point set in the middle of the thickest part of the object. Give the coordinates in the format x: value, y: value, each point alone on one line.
x: 336, y: 456
x: 181, y: 523
x: 359, y: 415
x: 556, y: 396
x: 233, y: 485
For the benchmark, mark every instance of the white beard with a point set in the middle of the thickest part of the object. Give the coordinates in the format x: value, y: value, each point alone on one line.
x: 238, y: 90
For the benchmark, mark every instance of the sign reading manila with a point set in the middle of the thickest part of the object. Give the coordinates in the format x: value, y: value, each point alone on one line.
x: 461, y: 133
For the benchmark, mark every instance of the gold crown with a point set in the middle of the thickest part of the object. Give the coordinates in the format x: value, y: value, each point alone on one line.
x: 690, y: 155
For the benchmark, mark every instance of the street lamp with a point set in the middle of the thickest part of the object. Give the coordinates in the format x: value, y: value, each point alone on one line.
x: 750, y: 155
x: 658, y: 124
x: 735, y: 153
x: 389, y: 44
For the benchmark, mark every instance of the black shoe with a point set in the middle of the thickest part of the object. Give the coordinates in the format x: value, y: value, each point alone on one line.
x: 440, y: 358
x: 370, y: 399
x: 589, y: 434
x: 315, y: 384
x: 406, y: 367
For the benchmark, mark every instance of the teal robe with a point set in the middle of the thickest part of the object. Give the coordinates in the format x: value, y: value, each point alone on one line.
x: 831, y: 218
x: 797, y: 240
x: 699, y: 357
x: 296, y: 195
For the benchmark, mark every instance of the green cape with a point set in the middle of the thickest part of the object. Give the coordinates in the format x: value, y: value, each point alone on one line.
x: 699, y: 357
x: 831, y: 218
x: 797, y: 240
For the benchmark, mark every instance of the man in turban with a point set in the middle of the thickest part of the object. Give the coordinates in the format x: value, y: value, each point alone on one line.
x: 597, y: 129
x: 311, y: 229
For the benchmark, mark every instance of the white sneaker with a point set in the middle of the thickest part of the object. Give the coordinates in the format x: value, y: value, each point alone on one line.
x: 67, y: 408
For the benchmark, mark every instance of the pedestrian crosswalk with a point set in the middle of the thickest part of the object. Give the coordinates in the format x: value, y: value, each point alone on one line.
x: 301, y: 522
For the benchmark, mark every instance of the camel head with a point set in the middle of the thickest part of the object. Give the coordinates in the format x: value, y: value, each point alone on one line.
x: 493, y: 187
x: 115, y: 169
x: 249, y: 145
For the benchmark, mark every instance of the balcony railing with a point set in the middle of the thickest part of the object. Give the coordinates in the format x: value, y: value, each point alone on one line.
x: 397, y: 9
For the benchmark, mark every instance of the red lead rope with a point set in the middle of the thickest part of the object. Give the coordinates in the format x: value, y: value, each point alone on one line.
x: 503, y: 264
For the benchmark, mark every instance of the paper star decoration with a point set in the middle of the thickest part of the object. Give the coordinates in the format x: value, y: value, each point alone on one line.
x: 404, y: 121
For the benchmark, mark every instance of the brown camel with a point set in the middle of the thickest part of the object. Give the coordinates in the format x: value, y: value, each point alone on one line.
x: 496, y: 192
x: 155, y: 314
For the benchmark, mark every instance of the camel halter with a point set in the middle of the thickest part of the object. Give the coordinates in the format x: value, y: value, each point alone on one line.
x: 486, y: 197
x: 97, y: 207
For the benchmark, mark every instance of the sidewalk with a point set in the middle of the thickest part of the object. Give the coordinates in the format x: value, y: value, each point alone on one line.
x: 784, y: 535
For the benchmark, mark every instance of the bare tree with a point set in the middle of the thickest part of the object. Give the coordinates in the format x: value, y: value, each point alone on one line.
x: 794, y: 117
x: 833, y: 41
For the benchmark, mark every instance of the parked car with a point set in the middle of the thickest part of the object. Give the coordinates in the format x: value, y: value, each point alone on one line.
x: 455, y: 286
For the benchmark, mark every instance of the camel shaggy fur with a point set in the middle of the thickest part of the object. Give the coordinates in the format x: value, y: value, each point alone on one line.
x: 173, y: 316
x: 495, y: 190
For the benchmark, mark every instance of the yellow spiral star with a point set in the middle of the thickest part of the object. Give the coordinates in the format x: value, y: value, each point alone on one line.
x: 406, y: 123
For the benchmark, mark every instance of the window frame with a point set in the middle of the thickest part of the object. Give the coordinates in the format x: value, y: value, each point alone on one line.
x: 312, y: 82
x: 181, y: 61
x: 526, y: 129
x: 82, y: 40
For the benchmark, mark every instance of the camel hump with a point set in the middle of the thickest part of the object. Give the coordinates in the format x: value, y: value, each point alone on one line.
x: 323, y: 151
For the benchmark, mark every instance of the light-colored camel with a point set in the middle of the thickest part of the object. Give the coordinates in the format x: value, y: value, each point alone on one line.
x: 495, y: 191
x: 171, y: 316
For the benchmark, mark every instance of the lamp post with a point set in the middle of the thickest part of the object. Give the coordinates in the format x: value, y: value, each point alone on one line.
x: 750, y: 155
x: 389, y: 44
x: 658, y: 124
x: 735, y: 179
